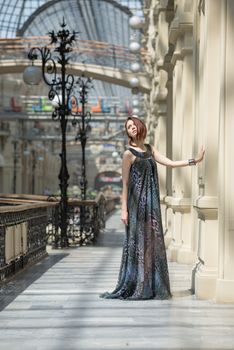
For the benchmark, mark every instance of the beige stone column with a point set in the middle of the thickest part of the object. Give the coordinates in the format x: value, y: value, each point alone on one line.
x: 187, y: 252
x: 181, y: 36
x: 160, y: 140
x: 207, y: 133
x: 161, y: 145
x: 159, y: 16
x: 176, y: 223
x: 225, y: 281
x: 182, y: 249
x: 169, y: 212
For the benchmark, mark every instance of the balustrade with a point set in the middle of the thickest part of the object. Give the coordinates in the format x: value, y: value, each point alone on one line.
x: 28, y: 223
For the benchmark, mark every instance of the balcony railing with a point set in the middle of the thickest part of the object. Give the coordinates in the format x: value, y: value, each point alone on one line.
x: 28, y: 223
x: 85, y: 220
x: 22, y: 234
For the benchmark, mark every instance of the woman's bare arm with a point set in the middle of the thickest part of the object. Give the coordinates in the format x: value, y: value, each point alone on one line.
x: 175, y: 163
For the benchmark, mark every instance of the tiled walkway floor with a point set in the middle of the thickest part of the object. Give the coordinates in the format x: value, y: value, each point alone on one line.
x: 55, y: 305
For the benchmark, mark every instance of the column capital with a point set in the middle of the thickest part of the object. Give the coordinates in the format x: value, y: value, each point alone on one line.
x: 182, y: 23
x: 206, y: 202
x: 182, y: 205
x: 206, y: 207
x: 183, y: 46
x: 161, y: 95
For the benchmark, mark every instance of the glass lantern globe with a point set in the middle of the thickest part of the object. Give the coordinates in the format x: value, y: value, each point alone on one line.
x: 134, y: 47
x: 135, y: 103
x: 32, y: 75
x: 135, y: 111
x: 135, y: 67
x: 115, y: 154
x: 134, y: 82
x: 135, y: 22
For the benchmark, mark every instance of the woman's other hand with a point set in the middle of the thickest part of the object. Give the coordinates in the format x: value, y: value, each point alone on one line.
x: 124, y: 217
x: 200, y: 155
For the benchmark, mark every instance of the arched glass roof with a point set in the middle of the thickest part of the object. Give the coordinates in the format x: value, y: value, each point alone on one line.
x: 15, y: 13
x: 105, y: 21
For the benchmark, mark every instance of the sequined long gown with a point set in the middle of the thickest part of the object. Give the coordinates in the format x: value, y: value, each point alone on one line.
x: 143, y: 271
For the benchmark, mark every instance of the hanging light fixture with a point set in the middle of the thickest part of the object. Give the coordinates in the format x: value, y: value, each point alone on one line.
x: 135, y: 111
x: 134, y: 82
x: 135, y: 22
x: 135, y: 67
x: 134, y: 47
x: 135, y: 103
x: 32, y: 75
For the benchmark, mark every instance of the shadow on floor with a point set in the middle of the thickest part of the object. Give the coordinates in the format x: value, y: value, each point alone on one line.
x: 182, y: 293
x: 11, y: 289
x: 110, y: 238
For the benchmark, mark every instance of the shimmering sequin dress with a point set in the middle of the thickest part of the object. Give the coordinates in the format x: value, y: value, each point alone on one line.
x: 143, y: 271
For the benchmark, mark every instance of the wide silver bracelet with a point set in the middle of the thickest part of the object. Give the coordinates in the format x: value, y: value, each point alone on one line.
x: 191, y: 162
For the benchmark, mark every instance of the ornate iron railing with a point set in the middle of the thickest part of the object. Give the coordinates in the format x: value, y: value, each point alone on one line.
x: 22, y: 235
x: 28, y: 223
x: 85, y: 220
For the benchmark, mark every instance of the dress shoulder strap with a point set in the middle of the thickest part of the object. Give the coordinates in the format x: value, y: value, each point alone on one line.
x: 139, y: 154
x: 149, y: 148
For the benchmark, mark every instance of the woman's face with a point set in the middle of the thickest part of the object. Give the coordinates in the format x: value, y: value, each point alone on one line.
x: 131, y: 129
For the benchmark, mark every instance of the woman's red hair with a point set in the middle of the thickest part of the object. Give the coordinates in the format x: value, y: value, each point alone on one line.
x: 141, y: 128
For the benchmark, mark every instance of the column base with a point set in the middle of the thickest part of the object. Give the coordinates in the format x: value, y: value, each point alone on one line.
x: 167, y: 241
x: 186, y: 256
x: 205, y: 283
x: 180, y: 249
x: 224, y: 291
x: 173, y: 252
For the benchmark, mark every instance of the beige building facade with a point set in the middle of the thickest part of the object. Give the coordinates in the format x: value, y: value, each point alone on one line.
x: 190, y: 105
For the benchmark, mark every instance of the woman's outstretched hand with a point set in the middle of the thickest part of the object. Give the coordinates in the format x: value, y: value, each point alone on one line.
x: 124, y: 217
x: 200, y: 155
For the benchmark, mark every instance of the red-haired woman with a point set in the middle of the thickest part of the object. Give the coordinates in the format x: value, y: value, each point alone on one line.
x: 144, y: 271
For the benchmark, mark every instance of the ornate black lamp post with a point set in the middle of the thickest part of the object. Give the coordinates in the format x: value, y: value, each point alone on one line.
x: 82, y: 119
x: 61, y: 91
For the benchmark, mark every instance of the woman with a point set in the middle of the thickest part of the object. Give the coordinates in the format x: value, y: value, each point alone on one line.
x: 143, y: 272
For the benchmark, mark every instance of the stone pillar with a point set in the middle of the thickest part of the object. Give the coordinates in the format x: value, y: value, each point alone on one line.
x: 161, y: 144
x: 160, y: 139
x: 225, y: 281
x: 186, y: 253
x: 181, y: 36
x: 182, y: 249
x: 176, y: 224
x: 169, y: 212
x: 207, y: 133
